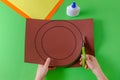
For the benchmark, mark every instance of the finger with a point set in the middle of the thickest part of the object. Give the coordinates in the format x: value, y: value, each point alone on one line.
x: 80, y: 59
x: 47, y: 63
x: 80, y: 63
x: 82, y: 56
x: 85, y: 66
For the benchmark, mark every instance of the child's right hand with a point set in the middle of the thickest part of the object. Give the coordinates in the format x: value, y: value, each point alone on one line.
x: 92, y: 63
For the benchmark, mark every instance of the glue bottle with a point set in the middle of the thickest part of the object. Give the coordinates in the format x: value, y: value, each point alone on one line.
x: 73, y: 10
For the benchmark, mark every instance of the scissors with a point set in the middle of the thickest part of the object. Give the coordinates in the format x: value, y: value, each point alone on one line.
x: 83, y: 52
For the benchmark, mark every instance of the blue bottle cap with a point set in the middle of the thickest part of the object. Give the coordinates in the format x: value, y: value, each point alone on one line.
x: 73, y: 5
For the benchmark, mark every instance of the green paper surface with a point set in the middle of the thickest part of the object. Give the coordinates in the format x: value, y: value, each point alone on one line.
x: 106, y: 15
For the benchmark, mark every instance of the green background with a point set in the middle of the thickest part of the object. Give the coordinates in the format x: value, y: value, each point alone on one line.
x: 106, y: 15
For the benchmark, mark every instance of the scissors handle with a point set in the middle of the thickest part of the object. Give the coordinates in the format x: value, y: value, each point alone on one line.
x: 84, y: 56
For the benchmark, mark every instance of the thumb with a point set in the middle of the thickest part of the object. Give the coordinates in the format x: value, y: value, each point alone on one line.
x: 47, y: 62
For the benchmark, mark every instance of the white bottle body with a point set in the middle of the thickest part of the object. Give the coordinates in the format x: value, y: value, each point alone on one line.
x: 73, y: 11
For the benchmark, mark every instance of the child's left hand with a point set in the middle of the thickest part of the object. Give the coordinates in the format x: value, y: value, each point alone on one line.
x: 42, y: 70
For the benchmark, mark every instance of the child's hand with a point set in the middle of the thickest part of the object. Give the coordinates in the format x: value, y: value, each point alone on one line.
x: 92, y: 63
x: 42, y: 70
